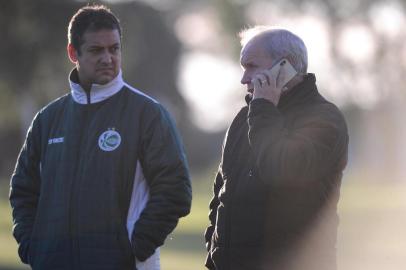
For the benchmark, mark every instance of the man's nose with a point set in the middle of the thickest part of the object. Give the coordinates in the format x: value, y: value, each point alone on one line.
x: 106, y: 57
x: 246, y: 79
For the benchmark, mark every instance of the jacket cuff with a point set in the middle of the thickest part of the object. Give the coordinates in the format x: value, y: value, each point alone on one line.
x: 209, y: 262
x: 23, y: 251
x: 140, y: 255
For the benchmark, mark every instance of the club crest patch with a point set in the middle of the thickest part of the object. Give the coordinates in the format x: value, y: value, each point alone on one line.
x: 109, y: 140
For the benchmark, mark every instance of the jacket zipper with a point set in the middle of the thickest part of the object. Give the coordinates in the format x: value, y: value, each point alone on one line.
x: 88, y: 96
x: 233, y: 188
x: 227, y: 228
x: 74, y: 198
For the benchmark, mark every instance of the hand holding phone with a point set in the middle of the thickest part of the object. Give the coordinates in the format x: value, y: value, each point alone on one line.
x: 270, y: 83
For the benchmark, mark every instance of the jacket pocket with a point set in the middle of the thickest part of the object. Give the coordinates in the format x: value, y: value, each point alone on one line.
x: 125, y: 245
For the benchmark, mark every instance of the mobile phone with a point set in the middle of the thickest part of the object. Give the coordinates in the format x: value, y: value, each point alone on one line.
x: 289, y: 71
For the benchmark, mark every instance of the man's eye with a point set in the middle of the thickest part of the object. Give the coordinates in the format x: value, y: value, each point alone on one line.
x: 94, y: 50
x: 248, y: 66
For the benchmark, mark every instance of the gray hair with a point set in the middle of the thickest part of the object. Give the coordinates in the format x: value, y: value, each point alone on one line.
x: 279, y: 43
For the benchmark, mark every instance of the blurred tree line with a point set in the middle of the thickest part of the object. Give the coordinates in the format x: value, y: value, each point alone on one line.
x: 34, y: 67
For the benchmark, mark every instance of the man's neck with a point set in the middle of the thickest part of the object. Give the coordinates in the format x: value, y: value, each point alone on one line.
x: 85, y: 86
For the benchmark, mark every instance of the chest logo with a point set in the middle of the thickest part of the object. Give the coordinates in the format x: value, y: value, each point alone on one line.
x: 109, y: 140
x: 55, y: 140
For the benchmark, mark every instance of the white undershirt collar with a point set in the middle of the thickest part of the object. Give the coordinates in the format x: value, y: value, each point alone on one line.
x: 98, y: 92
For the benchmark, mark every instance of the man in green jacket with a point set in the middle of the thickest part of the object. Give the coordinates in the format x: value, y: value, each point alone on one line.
x: 102, y: 177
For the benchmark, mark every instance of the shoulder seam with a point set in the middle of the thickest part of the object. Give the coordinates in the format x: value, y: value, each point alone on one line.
x: 138, y: 92
x: 53, y: 102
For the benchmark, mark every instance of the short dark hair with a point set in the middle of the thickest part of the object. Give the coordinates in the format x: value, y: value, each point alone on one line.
x: 91, y: 18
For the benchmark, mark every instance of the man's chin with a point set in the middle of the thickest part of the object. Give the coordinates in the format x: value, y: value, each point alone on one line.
x: 105, y: 79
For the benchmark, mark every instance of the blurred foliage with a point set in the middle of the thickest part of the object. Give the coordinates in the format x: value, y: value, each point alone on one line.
x: 34, y: 65
x: 369, y: 236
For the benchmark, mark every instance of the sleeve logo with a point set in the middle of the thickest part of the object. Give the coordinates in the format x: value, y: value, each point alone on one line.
x: 109, y: 140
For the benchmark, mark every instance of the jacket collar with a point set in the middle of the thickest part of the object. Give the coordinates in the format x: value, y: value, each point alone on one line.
x: 97, y: 92
x: 306, y: 89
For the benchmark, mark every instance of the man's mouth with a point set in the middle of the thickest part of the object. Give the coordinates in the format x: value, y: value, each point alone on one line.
x: 104, y: 69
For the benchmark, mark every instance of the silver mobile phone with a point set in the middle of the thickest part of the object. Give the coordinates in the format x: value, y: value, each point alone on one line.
x: 290, y: 71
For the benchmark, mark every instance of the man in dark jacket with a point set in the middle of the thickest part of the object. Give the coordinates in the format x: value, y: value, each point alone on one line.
x: 277, y: 188
x: 102, y: 178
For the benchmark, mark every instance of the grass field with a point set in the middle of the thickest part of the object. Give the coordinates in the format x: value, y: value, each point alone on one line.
x: 372, y: 232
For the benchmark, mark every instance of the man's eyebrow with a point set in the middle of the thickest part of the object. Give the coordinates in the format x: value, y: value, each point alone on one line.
x: 93, y: 46
x: 96, y: 46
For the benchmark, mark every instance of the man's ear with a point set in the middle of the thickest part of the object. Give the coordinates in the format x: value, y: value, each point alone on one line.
x: 72, y: 53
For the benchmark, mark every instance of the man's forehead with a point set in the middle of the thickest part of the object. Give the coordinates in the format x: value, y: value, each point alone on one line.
x: 252, y: 49
x: 102, y: 35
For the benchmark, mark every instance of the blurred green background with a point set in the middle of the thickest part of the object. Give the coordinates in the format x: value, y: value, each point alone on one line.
x: 185, y: 53
x: 371, y: 233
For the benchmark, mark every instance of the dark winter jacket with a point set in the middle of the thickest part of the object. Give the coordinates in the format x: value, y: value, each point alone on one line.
x: 73, y: 183
x: 276, y: 191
